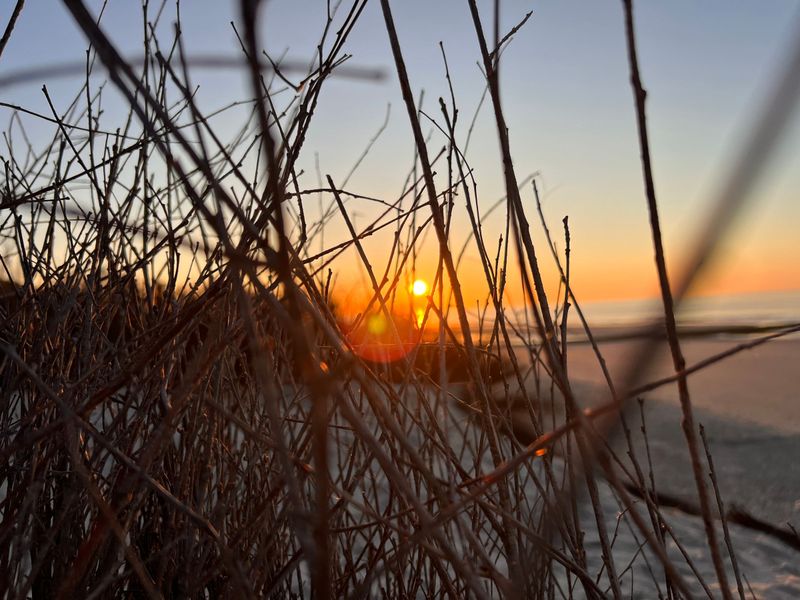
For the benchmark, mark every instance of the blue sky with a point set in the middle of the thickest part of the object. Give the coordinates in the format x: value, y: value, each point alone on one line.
x: 706, y: 66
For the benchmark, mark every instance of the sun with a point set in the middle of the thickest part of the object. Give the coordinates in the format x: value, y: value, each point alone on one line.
x: 419, y: 287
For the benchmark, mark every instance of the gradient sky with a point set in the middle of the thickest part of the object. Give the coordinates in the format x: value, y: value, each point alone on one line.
x: 706, y: 65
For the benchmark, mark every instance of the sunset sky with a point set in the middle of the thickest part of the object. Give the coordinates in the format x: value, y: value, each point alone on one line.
x: 706, y: 65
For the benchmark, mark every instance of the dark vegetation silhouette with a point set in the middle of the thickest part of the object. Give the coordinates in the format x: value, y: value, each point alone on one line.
x: 185, y: 412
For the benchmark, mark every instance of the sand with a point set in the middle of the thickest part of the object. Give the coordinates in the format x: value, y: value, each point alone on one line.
x: 749, y: 405
x: 760, y: 386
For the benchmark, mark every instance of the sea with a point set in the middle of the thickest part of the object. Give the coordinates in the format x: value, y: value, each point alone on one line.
x: 733, y: 316
x: 758, y: 309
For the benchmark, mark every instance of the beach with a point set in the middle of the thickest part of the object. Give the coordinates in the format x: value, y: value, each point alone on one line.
x: 760, y: 386
x: 749, y: 405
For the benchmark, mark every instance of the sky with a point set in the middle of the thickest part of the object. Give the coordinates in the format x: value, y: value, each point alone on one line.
x: 707, y: 67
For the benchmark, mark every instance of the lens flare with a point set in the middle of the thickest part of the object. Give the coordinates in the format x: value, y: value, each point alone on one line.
x: 376, y: 324
x: 383, y: 339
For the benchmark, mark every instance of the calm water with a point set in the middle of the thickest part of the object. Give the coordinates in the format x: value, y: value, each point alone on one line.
x: 762, y: 309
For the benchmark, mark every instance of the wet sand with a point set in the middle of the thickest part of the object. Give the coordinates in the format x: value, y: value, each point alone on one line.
x: 749, y: 405
x: 760, y: 386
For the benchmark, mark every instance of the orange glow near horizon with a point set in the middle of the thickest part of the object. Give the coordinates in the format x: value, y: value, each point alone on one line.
x: 636, y: 279
x: 597, y: 273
